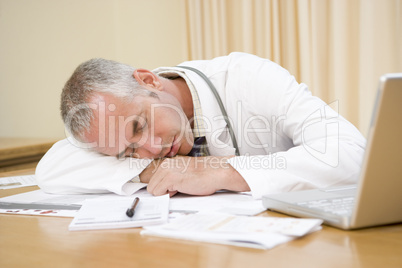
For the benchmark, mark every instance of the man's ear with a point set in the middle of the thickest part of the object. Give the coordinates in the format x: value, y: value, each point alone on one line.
x: 147, y: 78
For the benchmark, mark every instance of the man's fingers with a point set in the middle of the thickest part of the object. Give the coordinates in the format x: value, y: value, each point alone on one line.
x: 158, y: 185
x: 163, y: 187
x: 155, y: 179
x: 172, y: 193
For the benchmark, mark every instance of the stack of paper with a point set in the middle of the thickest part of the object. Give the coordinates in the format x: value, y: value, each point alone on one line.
x: 17, y: 181
x: 220, y: 218
x: 39, y: 203
x: 256, y: 232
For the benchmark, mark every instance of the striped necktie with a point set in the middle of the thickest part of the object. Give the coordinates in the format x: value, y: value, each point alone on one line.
x: 198, y: 149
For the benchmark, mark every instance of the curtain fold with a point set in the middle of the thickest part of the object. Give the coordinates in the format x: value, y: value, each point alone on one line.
x: 338, y: 48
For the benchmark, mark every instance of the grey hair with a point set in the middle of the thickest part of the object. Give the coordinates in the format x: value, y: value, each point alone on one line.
x: 91, y: 77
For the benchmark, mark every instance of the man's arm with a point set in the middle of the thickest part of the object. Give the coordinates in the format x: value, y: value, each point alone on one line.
x: 192, y: 175
x: 311, y: 145
x: 289, y: 140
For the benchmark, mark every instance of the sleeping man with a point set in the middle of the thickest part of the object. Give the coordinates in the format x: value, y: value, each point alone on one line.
x: 255, y: 129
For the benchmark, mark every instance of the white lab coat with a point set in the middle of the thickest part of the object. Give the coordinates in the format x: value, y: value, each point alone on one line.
x: 288, y: 139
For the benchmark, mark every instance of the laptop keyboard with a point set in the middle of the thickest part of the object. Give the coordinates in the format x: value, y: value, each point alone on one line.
x: 339, y: 206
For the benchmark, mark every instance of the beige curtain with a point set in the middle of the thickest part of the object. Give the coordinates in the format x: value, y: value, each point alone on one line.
x: 339, y: 48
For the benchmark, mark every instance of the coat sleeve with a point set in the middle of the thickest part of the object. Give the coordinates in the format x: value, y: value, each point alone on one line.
x: 326, y: 150
x: 67, y: 169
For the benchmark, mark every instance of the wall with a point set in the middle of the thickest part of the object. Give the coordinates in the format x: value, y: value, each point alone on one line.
x: 43, y: 41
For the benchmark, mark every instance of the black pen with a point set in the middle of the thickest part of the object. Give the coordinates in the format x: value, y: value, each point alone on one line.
x: 130, y: 212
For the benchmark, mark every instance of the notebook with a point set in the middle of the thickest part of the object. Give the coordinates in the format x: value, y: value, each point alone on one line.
x: 111, y: 213
x: 377, y: 197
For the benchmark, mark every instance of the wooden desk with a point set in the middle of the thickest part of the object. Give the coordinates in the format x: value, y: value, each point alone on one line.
x: 18, y: 153
x: 40, y: 241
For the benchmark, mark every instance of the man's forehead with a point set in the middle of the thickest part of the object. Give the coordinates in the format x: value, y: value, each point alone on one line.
x: 106, y: 98
x: 112, y: 118
x: 112, y: 105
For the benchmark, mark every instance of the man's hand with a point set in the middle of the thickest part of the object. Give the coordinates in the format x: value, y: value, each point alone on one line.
x: 192, y: 175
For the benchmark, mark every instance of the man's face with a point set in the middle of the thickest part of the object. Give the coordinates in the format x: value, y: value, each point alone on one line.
x: 146, y: 127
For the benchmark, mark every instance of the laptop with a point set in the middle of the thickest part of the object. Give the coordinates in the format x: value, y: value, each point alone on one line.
x: 377, y: 197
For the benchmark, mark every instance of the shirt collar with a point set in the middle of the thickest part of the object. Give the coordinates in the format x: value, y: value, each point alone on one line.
x: 198, y: 129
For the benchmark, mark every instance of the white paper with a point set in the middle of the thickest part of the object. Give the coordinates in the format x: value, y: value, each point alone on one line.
x: 225, y: 202
x: 259, y: 232
x: 30, y: 200
x: 41, y: 212
x: 260, y: 241
x: 17, y: 181
x: 40, y: 197
x: 110, y: 213
x: 219, y: 222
